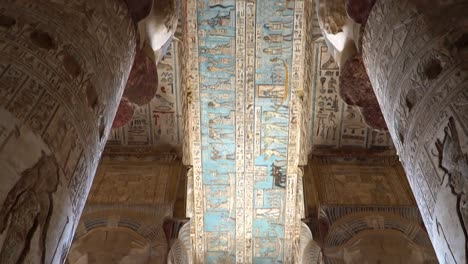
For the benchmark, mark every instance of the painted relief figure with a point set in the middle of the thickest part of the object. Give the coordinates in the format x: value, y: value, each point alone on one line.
x: 274, y: 114
x: 225, y: 49
x: 221, y: 155
x: 278, y: 38
x: 278, y: 25
x: 271, y: 91
x: 277, y: 172
x: 455, y: 164
x: 219, y: 20
x: 28, y: 207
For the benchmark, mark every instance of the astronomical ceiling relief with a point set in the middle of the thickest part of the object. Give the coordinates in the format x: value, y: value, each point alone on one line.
x: 245, y: 73
x: 251, y: 122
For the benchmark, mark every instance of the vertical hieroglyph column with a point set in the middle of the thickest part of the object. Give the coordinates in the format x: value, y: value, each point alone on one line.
x: 63, y: 67
x: 416, y: 54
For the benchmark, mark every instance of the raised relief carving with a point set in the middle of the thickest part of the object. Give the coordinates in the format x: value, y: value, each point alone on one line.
x: 48, y: 66
x: 419, y: 79
x: 28, y: 207
x: 455, y: 164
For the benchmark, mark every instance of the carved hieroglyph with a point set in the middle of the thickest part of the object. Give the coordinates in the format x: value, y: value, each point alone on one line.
x: 157, y: 123
x: 334, y: 124
x: 416, y: 56
x: 63, y: 67
x: 245, y: 79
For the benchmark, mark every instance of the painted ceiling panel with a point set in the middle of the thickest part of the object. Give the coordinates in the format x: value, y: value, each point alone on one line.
x: 334, y: 123
x: 245, y: 81
x: 158, y: 122
x: 217, y: 106
x: 242, y: 74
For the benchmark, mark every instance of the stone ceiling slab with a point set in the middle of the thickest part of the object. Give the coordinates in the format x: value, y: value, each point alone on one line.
x: 245, y: 75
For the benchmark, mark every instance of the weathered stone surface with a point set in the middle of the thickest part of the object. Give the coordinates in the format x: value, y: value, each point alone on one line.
x: 113, y: 245
x: 143, y: 80
x: 158, y: 124
x: 338, y: 30
x: 416, y: 58
x: 356, y: 90
x: 332, y: 15
x: 380, y: 246
x: 178, y: 253
x: 155, y: 183
x: 117, y: 233
x: 133, y: 197
x: 351, y: 196
x: 359, y: 10
x: 63, y: 66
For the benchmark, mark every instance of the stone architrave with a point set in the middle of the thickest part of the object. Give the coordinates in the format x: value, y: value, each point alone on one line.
x: 416, y: 54
x: 63, y: 68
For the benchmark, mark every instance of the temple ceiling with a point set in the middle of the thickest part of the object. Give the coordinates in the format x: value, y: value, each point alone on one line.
x: 336, y: 124
x: 250, y: 92
x: 150, y: 113
x: 245, y: 69
x: 252, y: 110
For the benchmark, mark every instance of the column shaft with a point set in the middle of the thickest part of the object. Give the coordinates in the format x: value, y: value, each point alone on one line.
x: 416, y: 55
x: 63, y: 67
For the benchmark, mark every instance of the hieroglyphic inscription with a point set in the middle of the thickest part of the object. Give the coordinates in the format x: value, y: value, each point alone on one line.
x: 311, y: 22
x: 193, y: 85
x: 48, y: 67
x: 246, y: 101
x: 240, y: 131
x: 419, y: 79
x: 333, y: 123
x: 157, y: 123
x: 295, y: 112
x: 249, y: 126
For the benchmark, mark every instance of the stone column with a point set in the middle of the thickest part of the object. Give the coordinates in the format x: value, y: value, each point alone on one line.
x: 63, y: 67
x: 416, y: 54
